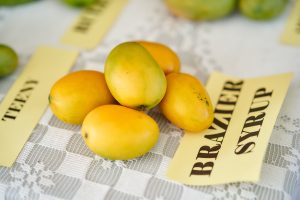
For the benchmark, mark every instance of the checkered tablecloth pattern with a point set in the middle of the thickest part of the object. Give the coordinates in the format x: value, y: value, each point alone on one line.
x: 56, y: 164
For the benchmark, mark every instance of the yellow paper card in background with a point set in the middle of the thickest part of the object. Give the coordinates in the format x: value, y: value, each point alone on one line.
x: 233, y: 148
x: 92, y: 24
x: 27, y: 99
x: 291, y: 34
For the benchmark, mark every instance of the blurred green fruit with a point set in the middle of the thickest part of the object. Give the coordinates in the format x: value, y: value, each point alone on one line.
x: 13, y: 2
x: 262, y: 9
x: 8, y: 60
x: 201, y: 9
x: 79, y: 3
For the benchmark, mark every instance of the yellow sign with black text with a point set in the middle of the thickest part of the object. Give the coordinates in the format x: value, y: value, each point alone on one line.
x: 93, y: 23
x: 26, y: 101
x: 291, y: 34
x: 233, y: 148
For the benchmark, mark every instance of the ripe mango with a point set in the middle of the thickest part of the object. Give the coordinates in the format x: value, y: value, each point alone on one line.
x: 76, y: 94
x: 165, y: 57
x: 119, y: 133
x: 79, y: 3
x: 133, y: 76
x: 262, y: 9
x: 8, y: 60
x: 186, y: 103
x: 14, y: 2
x: 201, y: 9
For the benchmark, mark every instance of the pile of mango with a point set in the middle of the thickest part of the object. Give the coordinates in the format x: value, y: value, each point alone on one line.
x: 112, y: 106
x: 215, y: 9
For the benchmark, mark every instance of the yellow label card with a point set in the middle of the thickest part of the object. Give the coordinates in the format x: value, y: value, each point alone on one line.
x: 233, y: 148
x: 27, y: 99
x: 94, y: 21
x: 291, y: 34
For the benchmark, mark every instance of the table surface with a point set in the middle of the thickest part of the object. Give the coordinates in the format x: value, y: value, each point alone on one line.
x: 55, y: 163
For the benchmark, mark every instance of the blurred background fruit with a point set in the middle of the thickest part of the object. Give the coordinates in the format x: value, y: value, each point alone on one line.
x: 201, y: 9
x: 262, y: 9
x: 78, y: 3
x: 8, y: 60
x: 14, y: 2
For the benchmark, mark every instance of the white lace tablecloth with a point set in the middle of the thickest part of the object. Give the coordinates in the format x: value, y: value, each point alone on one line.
x: 55, y: 163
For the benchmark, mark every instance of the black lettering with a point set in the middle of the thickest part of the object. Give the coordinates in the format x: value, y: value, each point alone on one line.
x: 26, y: 89
x: 219, y: 111
x: 216, y: 137
x: 261, y: 92
x: 31, y: 82
x: 220, y: 124
x: 8, y: 116
x: 84, y: 24
x: 228, y: 99
x: 19, y: 101
x: 94, y: 9
x: 246, y: 148
x: 89, y: 15
x: 233, y: 86
x: 248, y: 135
x: 208, y: 152
x: 15, y: 107
x: 262, y: 106
x: 254, y: 120
x: 202, y: 168
x: 225, y: 106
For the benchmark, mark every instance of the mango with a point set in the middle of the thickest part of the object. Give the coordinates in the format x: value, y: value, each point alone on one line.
x: 73, y: 96
x: 133, y: 76
x: 186, y: 103
x: 165, y: 57
x: 201, y: 9
x: 262, y: 9
x: 119, y: 133
x: 14, y: 2
x: 8, y: 60
x: 79, y: 3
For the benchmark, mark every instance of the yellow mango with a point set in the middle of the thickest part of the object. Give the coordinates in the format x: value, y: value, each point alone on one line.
x: 165, y: 57
x: 186, y: 103
x: 119, y: 133
x: 77, y: 93
x: 133, y: 76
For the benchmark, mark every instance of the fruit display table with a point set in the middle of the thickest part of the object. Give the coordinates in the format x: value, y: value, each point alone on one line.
x: 56, y: 164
